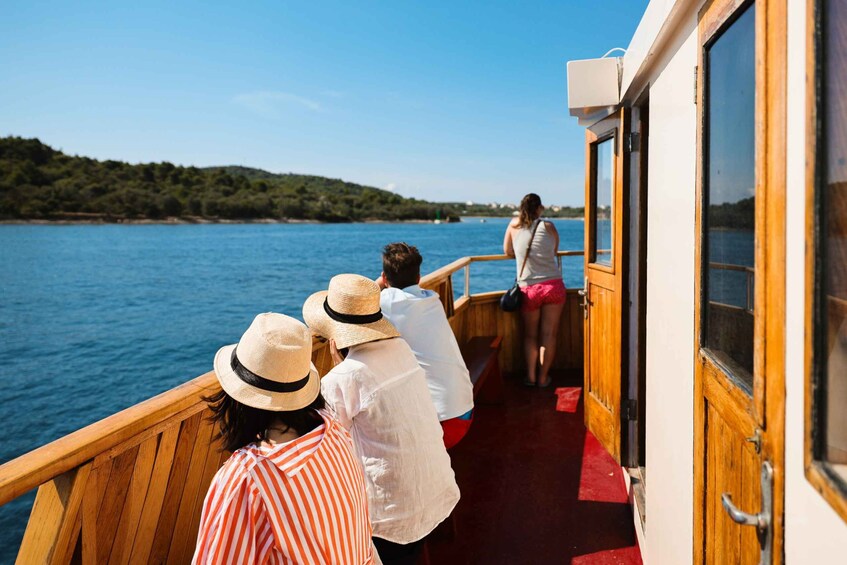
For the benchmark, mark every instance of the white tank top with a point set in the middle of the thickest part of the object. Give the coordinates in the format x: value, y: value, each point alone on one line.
x: 542, y: 264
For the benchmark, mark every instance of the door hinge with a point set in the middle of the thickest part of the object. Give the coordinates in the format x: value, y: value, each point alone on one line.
x: 696, y: 76
x: 629, y: 410
x: 633, y: 142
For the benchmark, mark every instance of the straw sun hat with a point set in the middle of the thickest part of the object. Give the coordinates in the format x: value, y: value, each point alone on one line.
x: 348, y: 312
x: 271, y: 366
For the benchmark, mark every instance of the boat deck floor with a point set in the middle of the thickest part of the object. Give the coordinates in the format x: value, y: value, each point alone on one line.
x: 537, y: 487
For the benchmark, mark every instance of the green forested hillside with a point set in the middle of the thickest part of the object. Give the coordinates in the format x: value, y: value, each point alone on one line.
x: 38, y: 182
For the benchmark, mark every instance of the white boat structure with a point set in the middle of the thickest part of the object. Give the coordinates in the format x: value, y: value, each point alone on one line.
x: 718, y: 142
x: 709, y: 340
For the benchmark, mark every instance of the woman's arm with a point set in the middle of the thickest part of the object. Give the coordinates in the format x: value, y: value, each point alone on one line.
x: 508, y: 246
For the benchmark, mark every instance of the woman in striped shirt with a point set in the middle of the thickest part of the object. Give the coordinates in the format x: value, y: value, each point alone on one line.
x: 293, y: 491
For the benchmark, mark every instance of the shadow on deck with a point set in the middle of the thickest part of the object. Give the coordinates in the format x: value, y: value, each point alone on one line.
x: 536, y: 486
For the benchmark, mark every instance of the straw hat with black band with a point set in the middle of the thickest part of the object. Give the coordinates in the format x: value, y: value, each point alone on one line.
x: 271, y: 366
x: 348, y: 312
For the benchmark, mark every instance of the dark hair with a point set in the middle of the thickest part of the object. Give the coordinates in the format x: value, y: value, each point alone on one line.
x: 401, y: 264
x: 240, y: 424
x: 529, y: 209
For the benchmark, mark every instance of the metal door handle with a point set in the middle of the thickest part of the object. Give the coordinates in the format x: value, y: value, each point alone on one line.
x: 740, y: 517
x: 585, y: 303
x: 762, y: 520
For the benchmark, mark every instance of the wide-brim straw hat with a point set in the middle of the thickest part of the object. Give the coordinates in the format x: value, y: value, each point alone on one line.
x: 271, y: 366
x: 348, y: 312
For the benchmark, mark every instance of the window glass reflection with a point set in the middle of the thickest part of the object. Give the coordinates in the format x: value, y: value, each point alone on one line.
x: 729, y: 198
x: 603, y: 213
x: 833, y: 221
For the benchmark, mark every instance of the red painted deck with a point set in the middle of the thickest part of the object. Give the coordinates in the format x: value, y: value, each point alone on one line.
x: 537, y: 487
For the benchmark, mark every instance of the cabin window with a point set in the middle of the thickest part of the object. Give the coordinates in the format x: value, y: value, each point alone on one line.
x: 829, y: 371
x: 729, y: 204
x: 603, y: 198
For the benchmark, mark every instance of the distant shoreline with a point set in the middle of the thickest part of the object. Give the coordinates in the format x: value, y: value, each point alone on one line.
x: 207, y: 221
x: 192, y: 221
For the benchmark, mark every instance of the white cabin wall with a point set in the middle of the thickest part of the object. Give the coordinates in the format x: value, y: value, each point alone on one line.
x: 814, y: 533
x: 670, y: 302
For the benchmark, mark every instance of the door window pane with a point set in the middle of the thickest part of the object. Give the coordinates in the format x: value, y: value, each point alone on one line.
x: 729, y: 198
x: 604, y: 191
x: 832, y: 286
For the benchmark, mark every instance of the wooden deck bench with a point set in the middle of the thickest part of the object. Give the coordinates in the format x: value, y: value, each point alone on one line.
x: 481, y: 355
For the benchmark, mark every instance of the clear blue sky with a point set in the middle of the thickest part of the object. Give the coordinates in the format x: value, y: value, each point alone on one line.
x: 438, y: 100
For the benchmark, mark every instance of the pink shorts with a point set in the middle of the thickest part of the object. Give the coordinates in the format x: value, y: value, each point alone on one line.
x: 537, y: 295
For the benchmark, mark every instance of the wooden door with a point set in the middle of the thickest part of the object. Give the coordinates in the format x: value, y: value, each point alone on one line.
x: 605, y: 214
x: 740, y: 283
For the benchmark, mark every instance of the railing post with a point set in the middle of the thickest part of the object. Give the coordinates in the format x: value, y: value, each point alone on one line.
x: 467, y: 279
x: 750, y: 290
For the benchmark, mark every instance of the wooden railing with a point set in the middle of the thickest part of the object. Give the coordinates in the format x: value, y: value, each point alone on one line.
x: 126, y: 489
x: 477, y: 314
x: 130, y: 488
x: 749, y: 273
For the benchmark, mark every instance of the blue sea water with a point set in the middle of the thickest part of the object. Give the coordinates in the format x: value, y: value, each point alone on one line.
x: 96, y: 318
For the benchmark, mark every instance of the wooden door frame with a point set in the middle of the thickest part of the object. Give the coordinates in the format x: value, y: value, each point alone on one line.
x: 611, y: 277
x: 768, y: 402
x: 635, y: 264
x: 815, y: 469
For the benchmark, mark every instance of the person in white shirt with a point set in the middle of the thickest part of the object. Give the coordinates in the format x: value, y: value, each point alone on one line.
x: 378, y: 391
x: 419, y: 317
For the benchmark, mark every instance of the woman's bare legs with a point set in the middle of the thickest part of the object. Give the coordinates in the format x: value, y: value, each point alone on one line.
x: 530, y: 343
x: 550, y: 316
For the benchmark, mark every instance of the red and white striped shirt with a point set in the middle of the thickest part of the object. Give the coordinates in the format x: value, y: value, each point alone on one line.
x: 299, y: 502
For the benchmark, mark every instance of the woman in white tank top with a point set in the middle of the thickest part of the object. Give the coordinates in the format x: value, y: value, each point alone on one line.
x: 541, y: 284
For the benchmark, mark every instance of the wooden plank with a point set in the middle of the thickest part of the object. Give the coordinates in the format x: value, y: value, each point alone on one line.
x: 773, y: 445
x: 155, y: 496
x: 486, y: 297
x: 173, y: 493
x: 92, y: 501
x: 157, y: 429
x: 68, y: 538
x: 749, y: 499
x: 214, y: 459
x: 49, y: 534
x: 190, y: 489
x: 321, y: 356
x: 134, y: 501
x: 27, y: 472
x: 711, y: 507
x: 729, y: 465
x: 113, y: 502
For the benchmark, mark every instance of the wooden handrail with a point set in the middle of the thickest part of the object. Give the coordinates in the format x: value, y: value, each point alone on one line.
x: 731, y: 267
x: 32, y: 469
x: 442, y: 273
x: 481, y: 258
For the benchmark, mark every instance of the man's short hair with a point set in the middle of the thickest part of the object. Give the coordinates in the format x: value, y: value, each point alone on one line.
x: 401, y: 264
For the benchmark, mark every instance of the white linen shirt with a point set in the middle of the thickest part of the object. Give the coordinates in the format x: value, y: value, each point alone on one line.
x: 379, y: 393
x: 419, y: 317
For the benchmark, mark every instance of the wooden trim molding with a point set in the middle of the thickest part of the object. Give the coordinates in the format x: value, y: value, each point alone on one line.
x: 595, y: 135
x: 816, y: 470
